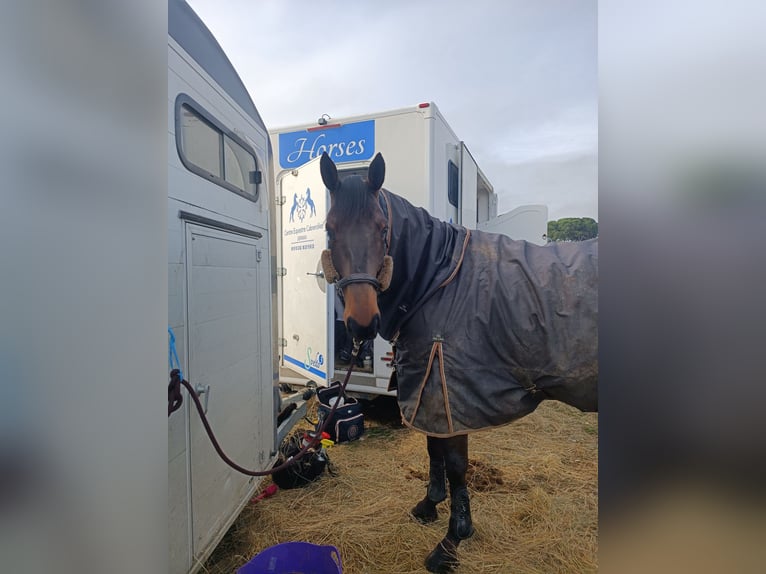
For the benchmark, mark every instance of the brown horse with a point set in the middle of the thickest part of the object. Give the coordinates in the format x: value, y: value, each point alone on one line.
x: 484, y: 328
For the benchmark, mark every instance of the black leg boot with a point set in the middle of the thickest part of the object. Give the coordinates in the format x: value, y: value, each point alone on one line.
x: 425, y: 510
x: 437, y: 482
x: 460, y: 523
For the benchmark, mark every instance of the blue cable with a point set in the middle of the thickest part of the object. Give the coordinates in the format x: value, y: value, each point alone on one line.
x: 173, y: 355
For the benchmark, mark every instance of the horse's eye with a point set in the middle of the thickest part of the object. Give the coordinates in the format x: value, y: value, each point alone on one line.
x: 384, y: 232
x: 331, y: 235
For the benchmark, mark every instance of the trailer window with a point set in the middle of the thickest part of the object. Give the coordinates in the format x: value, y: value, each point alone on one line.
x: 211, y: 151
x: 453, y: 183
x: 238, y: 163
x: 201, y: 142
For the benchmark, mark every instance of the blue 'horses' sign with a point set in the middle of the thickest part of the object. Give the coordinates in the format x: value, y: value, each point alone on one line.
x: 350, y: 142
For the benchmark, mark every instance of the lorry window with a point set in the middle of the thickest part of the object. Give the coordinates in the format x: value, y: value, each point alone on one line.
x: 453, y: 183
x: 212, y: 151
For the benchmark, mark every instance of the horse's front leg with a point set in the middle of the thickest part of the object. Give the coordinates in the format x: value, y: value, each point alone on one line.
x: 444, y: 557
x: 425, y: 510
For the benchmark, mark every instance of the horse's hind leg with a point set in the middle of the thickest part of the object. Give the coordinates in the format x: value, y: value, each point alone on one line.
x: 425, y: 510
x: 444, y: 557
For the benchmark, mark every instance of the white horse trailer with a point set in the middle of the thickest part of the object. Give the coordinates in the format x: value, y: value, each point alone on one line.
x: 220, y: 288
x: 425, y: 163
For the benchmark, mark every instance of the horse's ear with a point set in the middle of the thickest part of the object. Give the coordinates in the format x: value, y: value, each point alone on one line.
x: 329, y: 173
x: 376, y: 172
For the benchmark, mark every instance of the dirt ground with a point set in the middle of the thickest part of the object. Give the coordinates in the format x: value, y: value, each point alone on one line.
x: 534, y: 500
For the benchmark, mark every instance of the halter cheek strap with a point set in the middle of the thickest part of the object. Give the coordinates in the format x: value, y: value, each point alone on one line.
x: 331, y: 275
x: 385, y: 272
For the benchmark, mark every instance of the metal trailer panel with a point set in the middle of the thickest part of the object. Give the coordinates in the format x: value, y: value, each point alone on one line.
x: 219, y: 303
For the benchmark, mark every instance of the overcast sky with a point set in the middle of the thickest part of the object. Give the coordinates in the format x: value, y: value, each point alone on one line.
x: 516, y: 79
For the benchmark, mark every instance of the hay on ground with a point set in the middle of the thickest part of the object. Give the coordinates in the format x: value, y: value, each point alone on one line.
x: 533, y: 488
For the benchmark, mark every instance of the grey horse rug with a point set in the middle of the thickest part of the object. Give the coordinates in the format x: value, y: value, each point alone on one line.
x: 484, y: 328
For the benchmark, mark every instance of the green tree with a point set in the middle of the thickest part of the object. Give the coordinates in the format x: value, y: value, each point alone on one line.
x: 572, y: 229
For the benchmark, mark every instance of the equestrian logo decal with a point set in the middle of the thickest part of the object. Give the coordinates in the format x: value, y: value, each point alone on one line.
x: 301, y: 205
x: 299, y: 231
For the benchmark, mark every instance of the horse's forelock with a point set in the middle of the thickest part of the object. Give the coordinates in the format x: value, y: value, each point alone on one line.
x: 353, y: 198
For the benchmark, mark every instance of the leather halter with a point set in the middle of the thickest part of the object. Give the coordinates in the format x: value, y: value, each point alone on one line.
x: 343, y: 282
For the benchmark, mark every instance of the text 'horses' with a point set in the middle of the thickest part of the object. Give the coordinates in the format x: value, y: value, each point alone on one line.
x: 484, y: 328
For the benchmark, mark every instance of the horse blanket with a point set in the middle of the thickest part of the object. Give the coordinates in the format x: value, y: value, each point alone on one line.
x: 484, y: 327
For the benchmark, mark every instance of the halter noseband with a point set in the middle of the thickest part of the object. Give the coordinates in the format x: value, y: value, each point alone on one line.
x: 358, y: 278
x: 381, y: 282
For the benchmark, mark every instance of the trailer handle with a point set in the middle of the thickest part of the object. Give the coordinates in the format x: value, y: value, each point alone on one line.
x: 203, y: 390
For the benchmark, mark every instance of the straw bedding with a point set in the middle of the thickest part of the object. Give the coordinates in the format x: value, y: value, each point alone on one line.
x: 533, y: 488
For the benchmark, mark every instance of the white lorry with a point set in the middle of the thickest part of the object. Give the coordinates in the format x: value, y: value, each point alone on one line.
x: 426, y: 163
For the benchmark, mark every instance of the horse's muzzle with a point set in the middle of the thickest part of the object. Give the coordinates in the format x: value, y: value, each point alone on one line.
x: 364, y: 332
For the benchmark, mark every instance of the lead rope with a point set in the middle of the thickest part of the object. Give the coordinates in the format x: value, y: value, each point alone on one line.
x: 174, y: 391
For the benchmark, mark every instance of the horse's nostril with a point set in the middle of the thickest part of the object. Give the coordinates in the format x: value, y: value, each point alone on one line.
x: 364, y: 332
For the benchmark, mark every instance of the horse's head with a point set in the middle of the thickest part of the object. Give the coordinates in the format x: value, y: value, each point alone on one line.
x: 358, y: 239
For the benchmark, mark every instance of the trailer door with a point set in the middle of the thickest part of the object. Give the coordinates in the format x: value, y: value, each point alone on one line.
x: 226, y: 330
x: 305, y: 295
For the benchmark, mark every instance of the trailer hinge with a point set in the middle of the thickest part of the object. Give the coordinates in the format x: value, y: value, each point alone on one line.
x: 258, y: 255
x: 281, y: 271
x: 283, y: 342
x: 281, y: 200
